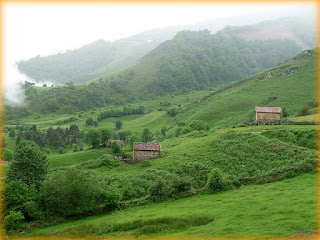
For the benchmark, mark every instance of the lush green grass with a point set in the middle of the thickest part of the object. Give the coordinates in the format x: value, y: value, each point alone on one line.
x: 312, y: 117
x: 283, y: 209
x: 68, y: 159
x: 228, y: 149
x: 10, y: 142
x: 236, y: 104
x: 153, y: 118
x: 242, y: 152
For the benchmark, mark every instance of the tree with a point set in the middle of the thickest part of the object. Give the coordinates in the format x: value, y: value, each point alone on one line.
x: 285, y: 113
x: 72, y: 192
x: 163, y: 131
x: 118, y: 124
x: 89, y: 121
x: 12, y: 133
x: 74, y: 133
x: 146, y: 135
x: 173, y: 112
x: 30, y: 164
x: 105, y: 135
x: 93, y: 138
x: 115, y: 147
x: 18, y: 140
x: 133, y: 138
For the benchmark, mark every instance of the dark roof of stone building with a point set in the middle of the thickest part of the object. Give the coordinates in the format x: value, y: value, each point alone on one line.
x: 143, y: 146
x: 268, y: 109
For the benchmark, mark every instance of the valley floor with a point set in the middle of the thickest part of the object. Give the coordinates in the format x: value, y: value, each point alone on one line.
x: 285, y: 209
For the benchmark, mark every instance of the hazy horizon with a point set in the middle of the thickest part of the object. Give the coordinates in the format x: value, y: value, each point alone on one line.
x: 45, y: 29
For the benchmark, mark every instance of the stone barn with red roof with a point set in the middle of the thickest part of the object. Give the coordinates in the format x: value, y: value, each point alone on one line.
x: 270, y: 115
x: 144, y: 151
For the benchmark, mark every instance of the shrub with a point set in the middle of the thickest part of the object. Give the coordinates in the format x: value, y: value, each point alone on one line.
x: 196, y: 171
x: 112, y: 196
x: 303, y: 111
x: 216, y: 181
x: 134, y: 187
x: 12, y: 133
x: 182, y: 184
x: 173, y: 112
x: 177, y: 132
x: 73, y: 192
x: 13, y: 222
x: 75, y: 147
x: 46, y: 150
x: 61, y: 150
x: 20, y: 197
x: 181, y: 124
x: 145, y: 164
x: 109, y: 161
x: 186, y: 129
x: 159, y: 190
x: 199, y: 125
x: 7, y: 155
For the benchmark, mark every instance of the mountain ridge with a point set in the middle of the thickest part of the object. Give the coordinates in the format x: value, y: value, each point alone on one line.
x: 102, y: 57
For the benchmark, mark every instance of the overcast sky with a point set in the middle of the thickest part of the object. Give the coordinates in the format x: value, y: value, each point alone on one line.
x: 43, y: 29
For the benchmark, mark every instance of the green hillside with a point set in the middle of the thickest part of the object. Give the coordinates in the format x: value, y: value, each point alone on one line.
x: 291, y: 84
x: 102, y: 57
x: 191, y: 61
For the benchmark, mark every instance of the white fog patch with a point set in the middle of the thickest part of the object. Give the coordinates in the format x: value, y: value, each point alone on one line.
x: 13, y: 91
x: 14, y: 94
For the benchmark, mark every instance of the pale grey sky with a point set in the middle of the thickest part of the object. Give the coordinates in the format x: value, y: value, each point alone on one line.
x: 41, y: 29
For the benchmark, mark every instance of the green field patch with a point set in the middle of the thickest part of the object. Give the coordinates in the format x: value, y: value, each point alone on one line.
x: 63, y: 160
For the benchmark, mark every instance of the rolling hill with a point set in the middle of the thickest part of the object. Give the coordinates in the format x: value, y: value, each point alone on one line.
x: 102, y: 57
x: 190, y: 61
x: 291, y: 84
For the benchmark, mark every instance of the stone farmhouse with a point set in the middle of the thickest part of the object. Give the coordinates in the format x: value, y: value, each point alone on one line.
x: 268, y: 115
x: 144, y: 151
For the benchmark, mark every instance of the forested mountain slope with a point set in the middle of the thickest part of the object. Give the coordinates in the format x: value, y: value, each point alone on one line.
x: 102, y: 57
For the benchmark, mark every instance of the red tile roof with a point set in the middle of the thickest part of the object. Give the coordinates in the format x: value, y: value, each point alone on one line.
x: 142, y: 146
x: 268, y: 109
